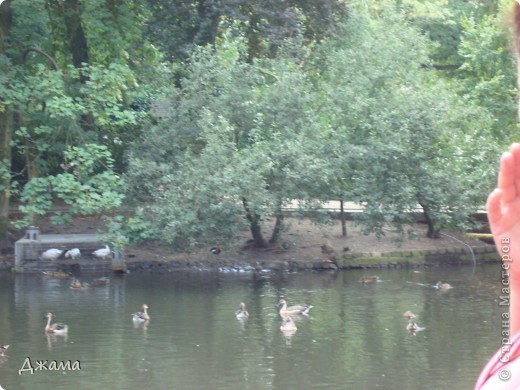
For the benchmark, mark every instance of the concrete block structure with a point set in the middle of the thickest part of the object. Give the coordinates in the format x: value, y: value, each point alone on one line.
x: 28, y: 251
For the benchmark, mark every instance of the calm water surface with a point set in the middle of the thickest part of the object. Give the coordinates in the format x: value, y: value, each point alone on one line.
x: 355, y: 337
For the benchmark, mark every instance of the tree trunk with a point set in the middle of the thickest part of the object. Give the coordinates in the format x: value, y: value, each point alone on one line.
x: 70, y: 11
x: 433, y: 231
x: 6, y: 125
x: 255, y: 226
x: 343, y: 218
x: 278, y: 228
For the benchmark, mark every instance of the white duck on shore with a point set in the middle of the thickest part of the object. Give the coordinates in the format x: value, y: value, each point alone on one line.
x: 52, y: 254
x: 73, y: 254
x: 102, y: 252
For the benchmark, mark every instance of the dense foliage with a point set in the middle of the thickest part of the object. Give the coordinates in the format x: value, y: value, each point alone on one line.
x: 396, y: 105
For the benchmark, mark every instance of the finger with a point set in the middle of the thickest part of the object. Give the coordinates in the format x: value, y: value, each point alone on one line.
x: 507, y: 177
x: 494, y: 211
x: 515, y: 151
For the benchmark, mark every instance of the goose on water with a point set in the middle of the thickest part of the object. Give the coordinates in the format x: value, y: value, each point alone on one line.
x: 141, y: 316
x: 3, y: 349
x: 288, y: 326
x: 413, y: 328
x: 77, y: 285
x: 242, y: 314
x: 56, y: 328
x: 442, y: 286
x: 408, y: 314
x: 293, y: 310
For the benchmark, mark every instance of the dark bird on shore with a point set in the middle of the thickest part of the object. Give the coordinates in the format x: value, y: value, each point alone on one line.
x: 215, y: 250
x: 328, y: 249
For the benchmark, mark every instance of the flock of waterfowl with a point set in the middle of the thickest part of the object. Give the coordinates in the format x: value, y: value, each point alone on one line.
x: 74, y: 253
x: 61, y: 329
x: 412, y: 326
x: 287, y: 313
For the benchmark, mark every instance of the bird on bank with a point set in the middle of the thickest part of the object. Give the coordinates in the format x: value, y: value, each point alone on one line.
x: 293, y: 310
x: 51, y: 254
x: 241, y: 314
x: 329, y: 253
x: 56, y: 328
x: 215, y: 250
x: 102, y: 252
x: 141, y: 316
x: 73, y: 254
x: 328, y: 249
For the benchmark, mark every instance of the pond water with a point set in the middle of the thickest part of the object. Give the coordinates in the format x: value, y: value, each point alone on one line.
x: 355, y: 337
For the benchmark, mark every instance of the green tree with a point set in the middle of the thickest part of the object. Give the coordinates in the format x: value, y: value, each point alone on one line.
x: 404, y: 136
x: 239, y: 144
x: 178, y: 27
x: 6, y: 122
x: 488, y: 73
x: 69, y: 88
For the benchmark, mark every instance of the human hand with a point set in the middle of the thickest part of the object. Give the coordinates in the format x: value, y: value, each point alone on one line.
x: 503, y: 208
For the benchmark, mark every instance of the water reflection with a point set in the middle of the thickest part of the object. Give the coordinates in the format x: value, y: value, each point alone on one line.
x: 355, y: 337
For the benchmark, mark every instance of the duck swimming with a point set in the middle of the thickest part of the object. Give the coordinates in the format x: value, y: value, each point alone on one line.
x: 413, y: 328
x: 3, y: 349
x: 141, y: 316
x: 56, y: 328
x: 408, y: 314
x: 440, y: 285
x: 369, y: 279
x: 293, y: 310
x: 77, y: 285
x: 288, y: 326
x: 241, y: 314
